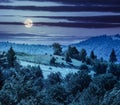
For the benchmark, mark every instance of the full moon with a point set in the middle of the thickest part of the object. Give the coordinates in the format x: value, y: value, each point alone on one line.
x: 28, y: 23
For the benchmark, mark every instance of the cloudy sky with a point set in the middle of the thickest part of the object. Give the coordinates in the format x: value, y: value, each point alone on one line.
x: 63, y: 21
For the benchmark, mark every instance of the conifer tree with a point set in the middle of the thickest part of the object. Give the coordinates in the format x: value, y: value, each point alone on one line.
x: 73, y: 52
x: 52, y: 61
x: 113, y: 57
x: 83, y: 55
x: 3, y: 60
x: 1, y: 80
x: 92, y: 55
x: 57, y: 49
x: 67, y: 58
x: 11, y: 57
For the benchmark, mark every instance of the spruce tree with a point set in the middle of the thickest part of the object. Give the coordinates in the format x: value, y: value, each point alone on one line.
x: 67, y: 58
x: 113, y: 57
x: 73, y: 52
x: 3, y: 60
x: 1, y: 80
x: 11, y: 57
x: 92, y: 55
x: 57, y: 49
x: 83, y: 55
x: 52, y: 61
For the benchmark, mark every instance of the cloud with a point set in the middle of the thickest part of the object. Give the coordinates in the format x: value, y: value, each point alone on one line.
x: 64, y: 8
x: 39, y: 38
x: 100, y: 19
x: 5, y: 1
x: 84, y: 2
x: 67, y: 24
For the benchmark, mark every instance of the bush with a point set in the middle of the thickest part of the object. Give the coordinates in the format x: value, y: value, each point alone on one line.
x: 52, y: 61
x: 37, y: 71
x: 100, y: 68
x: 83, y: 67
x: 102, y: 83
x: 72, y: 52
x: 11, y: 57
x: 78, y: 82
x: 67, y: 58
x: 57, y: 49
x: 1, y: 80
x: 54, y: 78
x: 89, y: 61
x: 83, y: 55
x: 57, y: 93
x: 115, y: 69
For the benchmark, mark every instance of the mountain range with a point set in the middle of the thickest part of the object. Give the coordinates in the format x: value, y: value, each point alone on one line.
x: 101, y: 45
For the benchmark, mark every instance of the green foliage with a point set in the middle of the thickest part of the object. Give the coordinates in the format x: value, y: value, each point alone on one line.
x: 115, y: 69
x: 3, y: 60
x: 27, y: 86
x: 52, y: 61
x: 11, y: 57
x: 73, y: 52
x: 67, y: 58
x: 113, y: 57
x: 37, y: 71
x: 92, y: 55
x: 89, y: 61
x: 54, y: 78
x: 78, y: 82
x: 100, y: 67
x: 57, y: 93
x: 83, y: 67
x: 99, y: 86
x: 57, y: 49
x: 83, y: 55
x: 102, y: 83
x: 1, y: 80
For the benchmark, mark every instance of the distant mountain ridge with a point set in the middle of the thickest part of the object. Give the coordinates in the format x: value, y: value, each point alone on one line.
x: 26, y: 48
x: 101, y: 45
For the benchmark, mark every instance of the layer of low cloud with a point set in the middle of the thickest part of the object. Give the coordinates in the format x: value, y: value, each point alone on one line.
x: 84, y: 2
x: 64, y: 8
x: 67, y: 24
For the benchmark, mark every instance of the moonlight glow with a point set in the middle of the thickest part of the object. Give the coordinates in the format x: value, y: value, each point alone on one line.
x: 28, y: 23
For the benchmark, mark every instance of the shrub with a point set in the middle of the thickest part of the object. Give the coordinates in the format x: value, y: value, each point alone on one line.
x: 78, y: 82
x: 73, y: 52
x: 57, y: 93
x: 83, y: 55
x: 11, y: 57
x: 100, y: 67
x: 57, y: 49
x: 83, y: 67
x: 54, y: 78
x: 52, y: 61
x: 102, y: 83
x: 1, y: 80
x: 115, y: 69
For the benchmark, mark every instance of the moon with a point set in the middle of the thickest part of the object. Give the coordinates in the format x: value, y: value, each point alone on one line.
x: 28, y: 23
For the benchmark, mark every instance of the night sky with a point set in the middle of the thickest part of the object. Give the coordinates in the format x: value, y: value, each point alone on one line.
x: 63, y: 21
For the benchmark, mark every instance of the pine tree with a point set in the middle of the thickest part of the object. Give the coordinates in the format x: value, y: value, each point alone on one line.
x: 83, y: 55
x: 52, y: 61
x: 67, y: 58
x: 73, y: 52
x: 113, y: 56
x: 11, y: 57
x: 92, y: 55
x: 57, y: 49
x: 3, y: 60
x: 1, y: 80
